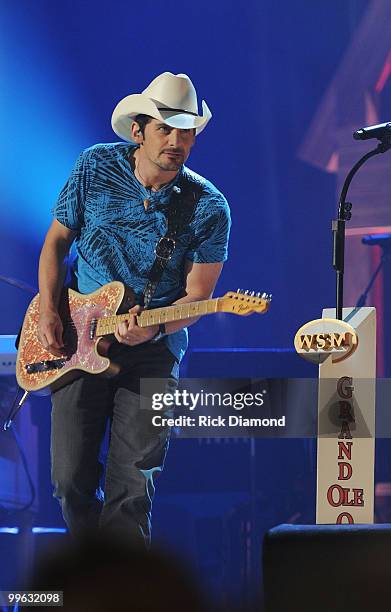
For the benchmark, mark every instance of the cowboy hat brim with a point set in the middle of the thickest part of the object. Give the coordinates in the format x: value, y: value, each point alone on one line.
x: 136, y: 104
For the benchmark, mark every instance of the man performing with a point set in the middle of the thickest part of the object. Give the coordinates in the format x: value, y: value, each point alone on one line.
x: 118, y: 205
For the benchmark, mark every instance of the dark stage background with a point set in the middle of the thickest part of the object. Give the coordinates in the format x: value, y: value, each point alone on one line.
x: 263, y: 67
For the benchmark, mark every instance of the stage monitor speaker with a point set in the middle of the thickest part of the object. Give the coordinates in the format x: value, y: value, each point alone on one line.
x: 327, y: 568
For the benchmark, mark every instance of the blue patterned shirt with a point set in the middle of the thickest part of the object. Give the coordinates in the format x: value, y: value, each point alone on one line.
x: 104, y: 202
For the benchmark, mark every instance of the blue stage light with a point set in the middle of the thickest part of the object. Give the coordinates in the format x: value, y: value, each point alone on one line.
x: 49, y: 530
x: 39, y: 126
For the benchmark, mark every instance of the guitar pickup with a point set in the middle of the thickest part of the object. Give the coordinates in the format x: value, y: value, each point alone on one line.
x: 44, y: 366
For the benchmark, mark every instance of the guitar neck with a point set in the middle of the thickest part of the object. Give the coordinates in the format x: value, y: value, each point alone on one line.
x: 176, y: 312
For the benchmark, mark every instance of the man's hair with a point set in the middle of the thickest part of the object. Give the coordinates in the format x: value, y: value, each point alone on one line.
x: 142, y: 121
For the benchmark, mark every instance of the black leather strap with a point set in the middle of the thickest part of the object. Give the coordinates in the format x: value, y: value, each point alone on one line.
x: 182, y: 205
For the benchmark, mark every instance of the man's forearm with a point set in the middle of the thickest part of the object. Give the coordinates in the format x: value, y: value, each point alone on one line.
x: 200, y: 283
x: 174, y: 326
x: 51, y: 274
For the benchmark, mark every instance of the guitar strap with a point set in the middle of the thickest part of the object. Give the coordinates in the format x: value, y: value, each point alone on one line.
x: 183, y: 201
x: 182, y: 204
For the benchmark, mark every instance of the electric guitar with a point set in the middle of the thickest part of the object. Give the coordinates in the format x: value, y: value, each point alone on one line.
x: 89, y: 322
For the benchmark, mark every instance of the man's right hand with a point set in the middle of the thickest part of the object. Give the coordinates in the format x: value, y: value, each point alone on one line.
x: 50, y: 331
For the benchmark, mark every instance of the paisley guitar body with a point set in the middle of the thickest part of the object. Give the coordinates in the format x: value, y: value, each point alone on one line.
x: 36, y: 368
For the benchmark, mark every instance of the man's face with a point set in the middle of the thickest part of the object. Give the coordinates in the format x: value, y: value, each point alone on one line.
x: 165, y: 146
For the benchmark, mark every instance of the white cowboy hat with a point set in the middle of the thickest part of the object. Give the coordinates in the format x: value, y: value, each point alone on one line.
x: 170, y: 98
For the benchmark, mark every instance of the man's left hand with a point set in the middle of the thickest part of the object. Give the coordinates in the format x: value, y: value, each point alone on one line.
x: 128, y: 332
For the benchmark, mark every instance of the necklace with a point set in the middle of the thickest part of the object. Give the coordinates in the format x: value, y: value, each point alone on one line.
x: 147, y: 201
x: 143, y: 181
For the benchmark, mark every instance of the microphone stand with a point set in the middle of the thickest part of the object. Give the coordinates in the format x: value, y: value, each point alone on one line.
x: 344, y: 214
x: 18, y: 283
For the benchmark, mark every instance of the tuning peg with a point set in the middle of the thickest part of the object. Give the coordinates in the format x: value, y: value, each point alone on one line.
x: 258, y: 294
x: 252, y: 293
x: 246, y: 292
x: 238, y: 291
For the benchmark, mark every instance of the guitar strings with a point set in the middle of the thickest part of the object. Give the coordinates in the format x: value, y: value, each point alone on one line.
x: 71, y: 324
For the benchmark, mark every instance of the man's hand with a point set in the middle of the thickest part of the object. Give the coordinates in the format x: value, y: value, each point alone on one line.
x: 50, y: 331
x: 129, y: 332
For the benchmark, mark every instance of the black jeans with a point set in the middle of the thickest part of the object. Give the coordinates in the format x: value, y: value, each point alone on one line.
x: 136, y: 451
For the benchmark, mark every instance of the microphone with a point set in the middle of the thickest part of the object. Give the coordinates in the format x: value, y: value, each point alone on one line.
x: 382, y: 240
x: 381, y: 131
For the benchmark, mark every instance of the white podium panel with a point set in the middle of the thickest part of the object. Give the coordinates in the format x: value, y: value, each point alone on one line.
x: 346, y: 426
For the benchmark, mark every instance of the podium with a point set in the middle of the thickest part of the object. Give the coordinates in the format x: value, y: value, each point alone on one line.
x: 346, y: 426
x: 346, y: 352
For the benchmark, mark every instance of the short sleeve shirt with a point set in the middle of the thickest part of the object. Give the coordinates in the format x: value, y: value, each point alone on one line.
x: 116, y: 236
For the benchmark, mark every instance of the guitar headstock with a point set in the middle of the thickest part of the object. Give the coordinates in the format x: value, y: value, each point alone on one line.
x: 244, y: 302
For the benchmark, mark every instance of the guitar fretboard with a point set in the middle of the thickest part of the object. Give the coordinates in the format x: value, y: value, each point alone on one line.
x: 176, y: 312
